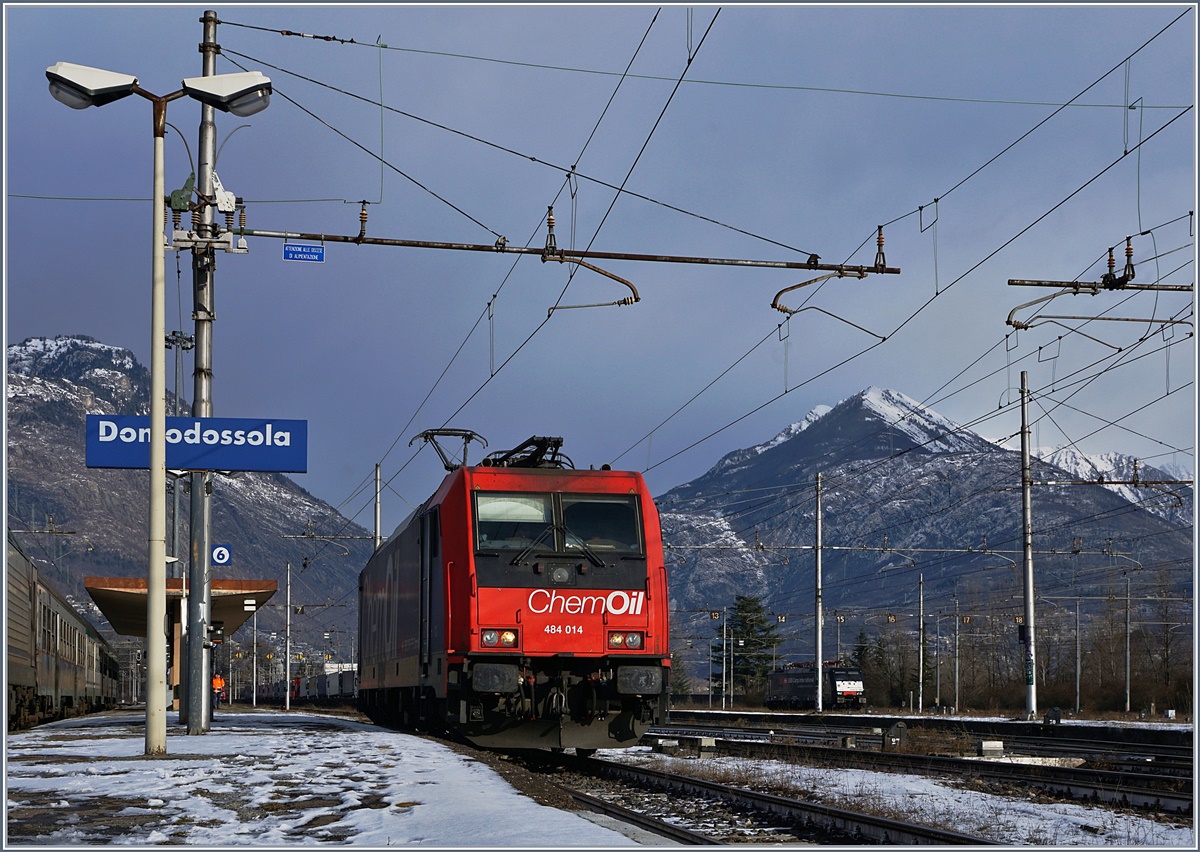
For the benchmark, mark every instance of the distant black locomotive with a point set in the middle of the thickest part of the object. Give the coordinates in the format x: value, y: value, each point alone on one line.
x: 794, y: 687
x: 58, y: 664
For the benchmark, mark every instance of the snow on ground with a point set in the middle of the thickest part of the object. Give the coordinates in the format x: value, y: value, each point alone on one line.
x: 916, y: 798
x: 267, y: 779
x: 272, y: 779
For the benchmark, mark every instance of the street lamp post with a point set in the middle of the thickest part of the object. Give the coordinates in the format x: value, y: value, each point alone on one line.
x: 244, y: 93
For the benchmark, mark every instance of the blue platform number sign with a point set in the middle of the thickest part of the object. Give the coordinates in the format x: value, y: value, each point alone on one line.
x: 222, y: 554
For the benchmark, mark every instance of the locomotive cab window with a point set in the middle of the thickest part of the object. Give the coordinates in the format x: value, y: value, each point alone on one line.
x: 514, y: 521
x: 601, y: 522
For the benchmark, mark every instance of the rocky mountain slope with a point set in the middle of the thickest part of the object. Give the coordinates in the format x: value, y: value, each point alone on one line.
x: 77, y: 521
x: 907, y: 496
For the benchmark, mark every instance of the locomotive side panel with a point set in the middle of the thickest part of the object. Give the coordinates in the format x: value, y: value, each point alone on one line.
x: 399, y: 616
x: 387, y: 628
x: 403, y: 623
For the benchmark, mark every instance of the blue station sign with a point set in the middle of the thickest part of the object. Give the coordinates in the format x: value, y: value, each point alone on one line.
x: 303, y: 252
x: 200, y: 443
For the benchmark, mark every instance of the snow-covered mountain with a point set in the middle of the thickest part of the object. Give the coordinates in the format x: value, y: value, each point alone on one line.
x: 100, y: 515
x: 906, y: 494
x: 1165, y: 496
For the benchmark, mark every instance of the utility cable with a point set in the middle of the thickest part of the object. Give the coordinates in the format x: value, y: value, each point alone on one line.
x: 695, y: 82
x: 567, y: 171
x: 371, y: 153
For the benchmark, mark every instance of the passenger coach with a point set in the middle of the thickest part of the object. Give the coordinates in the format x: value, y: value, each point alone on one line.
x: 524, y: 605
x: 57, y: 665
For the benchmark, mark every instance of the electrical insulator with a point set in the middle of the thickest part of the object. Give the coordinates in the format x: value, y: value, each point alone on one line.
x: 551, y: 242
x: 879, y: 259
x: 1128, y: 274
x: 1109, y: 279
x: 362, y: 221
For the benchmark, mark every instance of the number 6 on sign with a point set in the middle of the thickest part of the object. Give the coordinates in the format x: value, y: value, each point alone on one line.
x: 221, y: 554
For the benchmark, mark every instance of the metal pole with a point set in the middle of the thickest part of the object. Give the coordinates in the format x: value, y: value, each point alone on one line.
x: 179, y: 342
x: 254, y: 659
x: 1027, y: 539
x: 957, y: 620
x: 819, y: 703
x: 1126, y: 641
x: 733, y: 640
x: 920, y: 642
x: 287, y: 644
x: 725, y: 651
x: 1078, y: 655
x: 156, y: 582
x: 203, y: 263
x: 937, y: 661
x: 378, y: 525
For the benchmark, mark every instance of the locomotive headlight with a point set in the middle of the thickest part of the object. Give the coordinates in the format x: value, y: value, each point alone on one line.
x: 632, y: 641
x: 498, y: 638
x: 560, y: 574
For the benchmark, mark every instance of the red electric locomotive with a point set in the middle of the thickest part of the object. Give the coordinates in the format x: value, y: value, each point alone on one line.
x: 524, y: 605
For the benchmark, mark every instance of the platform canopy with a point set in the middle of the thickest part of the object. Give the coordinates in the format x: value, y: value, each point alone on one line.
x: 123, y: 601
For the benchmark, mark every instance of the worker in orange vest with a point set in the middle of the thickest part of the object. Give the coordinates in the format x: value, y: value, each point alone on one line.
x: 218, y: 685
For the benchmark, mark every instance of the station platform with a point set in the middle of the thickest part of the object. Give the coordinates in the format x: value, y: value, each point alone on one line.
x: 268, y: 778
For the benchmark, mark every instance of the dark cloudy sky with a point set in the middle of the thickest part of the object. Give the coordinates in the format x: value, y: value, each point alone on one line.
x: 993, y: 143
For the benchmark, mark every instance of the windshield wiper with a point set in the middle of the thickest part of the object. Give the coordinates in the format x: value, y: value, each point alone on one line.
x: 529, y: 549
x: 587, y: 551
x: 583, y: 547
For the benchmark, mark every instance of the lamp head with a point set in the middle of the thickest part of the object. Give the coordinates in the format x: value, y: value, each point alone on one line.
x: 79, y: 86
x: 241, y: 94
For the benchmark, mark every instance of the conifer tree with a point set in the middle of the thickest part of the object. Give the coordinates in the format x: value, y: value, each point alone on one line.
x: 744, y: 645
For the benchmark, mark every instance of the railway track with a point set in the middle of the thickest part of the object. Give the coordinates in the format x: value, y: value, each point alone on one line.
x: 670, y: 831
x: 1123, y: 784
x: 694, y: 811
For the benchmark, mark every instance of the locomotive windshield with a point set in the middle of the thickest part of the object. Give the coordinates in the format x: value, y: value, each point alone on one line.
x: 514, y: 521
x: 570, y: 524
x: 601, y: 522
x: 529, y: 539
